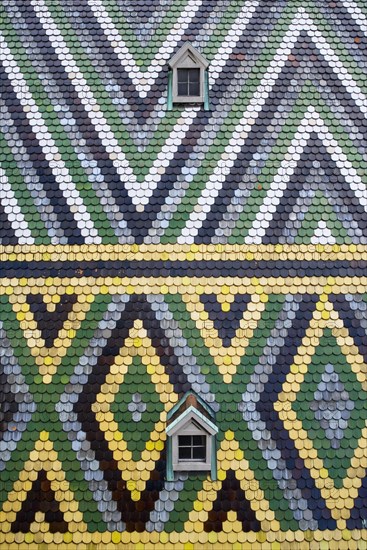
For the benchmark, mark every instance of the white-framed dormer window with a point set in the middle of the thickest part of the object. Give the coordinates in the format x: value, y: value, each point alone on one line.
x: 188, y: 79
x: 191, y: 437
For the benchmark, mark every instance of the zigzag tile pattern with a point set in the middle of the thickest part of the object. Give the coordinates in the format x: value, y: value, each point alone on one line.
x: 287, y: 466
x: 92, y: 155
x: 147, y: 252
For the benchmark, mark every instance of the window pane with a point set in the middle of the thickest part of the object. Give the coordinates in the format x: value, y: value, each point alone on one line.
x: 184, y: 440
x: 192, y: 447
x: 182, y: 82
x: 183, y: 75
x: 182, y: 88
x: 199, y: 440
x: 199, y: 453
x: 188, y: 82
x: 199, y: 447
x: 184, y: 453
x: 194, y: 82
x: 194, y: 88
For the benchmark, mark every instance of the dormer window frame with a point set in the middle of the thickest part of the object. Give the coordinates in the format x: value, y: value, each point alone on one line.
x: 188, y: 58
x: 191, y: 423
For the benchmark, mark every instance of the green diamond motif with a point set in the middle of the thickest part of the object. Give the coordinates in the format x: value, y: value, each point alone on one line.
x: 330, y: 387
x: 137, y: 389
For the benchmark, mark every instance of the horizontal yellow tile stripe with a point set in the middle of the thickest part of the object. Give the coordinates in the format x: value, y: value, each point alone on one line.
x: 177, y: 252
x: 283, y: 540
x: 182, y: 285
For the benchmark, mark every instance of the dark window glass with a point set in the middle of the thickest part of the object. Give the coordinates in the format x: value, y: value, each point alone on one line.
x: 192, y: 447
x: 188, y: 82
x: 184, y: 453
x: 198, y: 453
x: 185, y: 440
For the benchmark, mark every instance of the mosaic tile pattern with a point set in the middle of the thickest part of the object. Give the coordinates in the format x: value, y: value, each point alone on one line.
x: 288, y: 387
x: 146, y: 252
x: 91, y: 154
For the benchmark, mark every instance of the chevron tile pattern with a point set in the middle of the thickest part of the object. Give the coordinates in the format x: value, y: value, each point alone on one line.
x: 91, y: 154
x: 148, y: 251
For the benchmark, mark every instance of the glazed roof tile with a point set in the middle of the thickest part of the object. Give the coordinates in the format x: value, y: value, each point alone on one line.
x: 148, y: 252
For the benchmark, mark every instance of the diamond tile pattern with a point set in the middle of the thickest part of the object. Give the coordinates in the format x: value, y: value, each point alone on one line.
x: 148, y: 251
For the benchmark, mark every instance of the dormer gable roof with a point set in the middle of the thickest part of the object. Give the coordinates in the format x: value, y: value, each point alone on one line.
x: 189, y: 56
x: 191, y: 407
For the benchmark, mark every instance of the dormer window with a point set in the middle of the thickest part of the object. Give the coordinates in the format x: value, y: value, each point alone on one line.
x: 188, y: 78
x: 191, y: 437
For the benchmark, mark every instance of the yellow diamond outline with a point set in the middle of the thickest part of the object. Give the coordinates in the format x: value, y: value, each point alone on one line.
x: 337, y: 500
x: 135, y: 473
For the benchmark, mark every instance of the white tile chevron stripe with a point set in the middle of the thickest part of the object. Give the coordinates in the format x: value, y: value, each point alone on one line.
x: 13, y: 211
x: 356, y: 13
x: 51, y: 152
x: 139, y: 193
x: 29, y: 174
x: 311, y: 122
x: 231, y: 39
x: 332, y: 58
x: 302, y: 22
x: 144, y: 80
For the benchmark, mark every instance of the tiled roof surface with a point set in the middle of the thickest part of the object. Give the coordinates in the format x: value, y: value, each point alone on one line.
x: 147, y: 252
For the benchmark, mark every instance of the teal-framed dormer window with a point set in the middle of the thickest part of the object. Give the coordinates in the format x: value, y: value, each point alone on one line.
x: 191, y: 437
x: 188, y: 78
